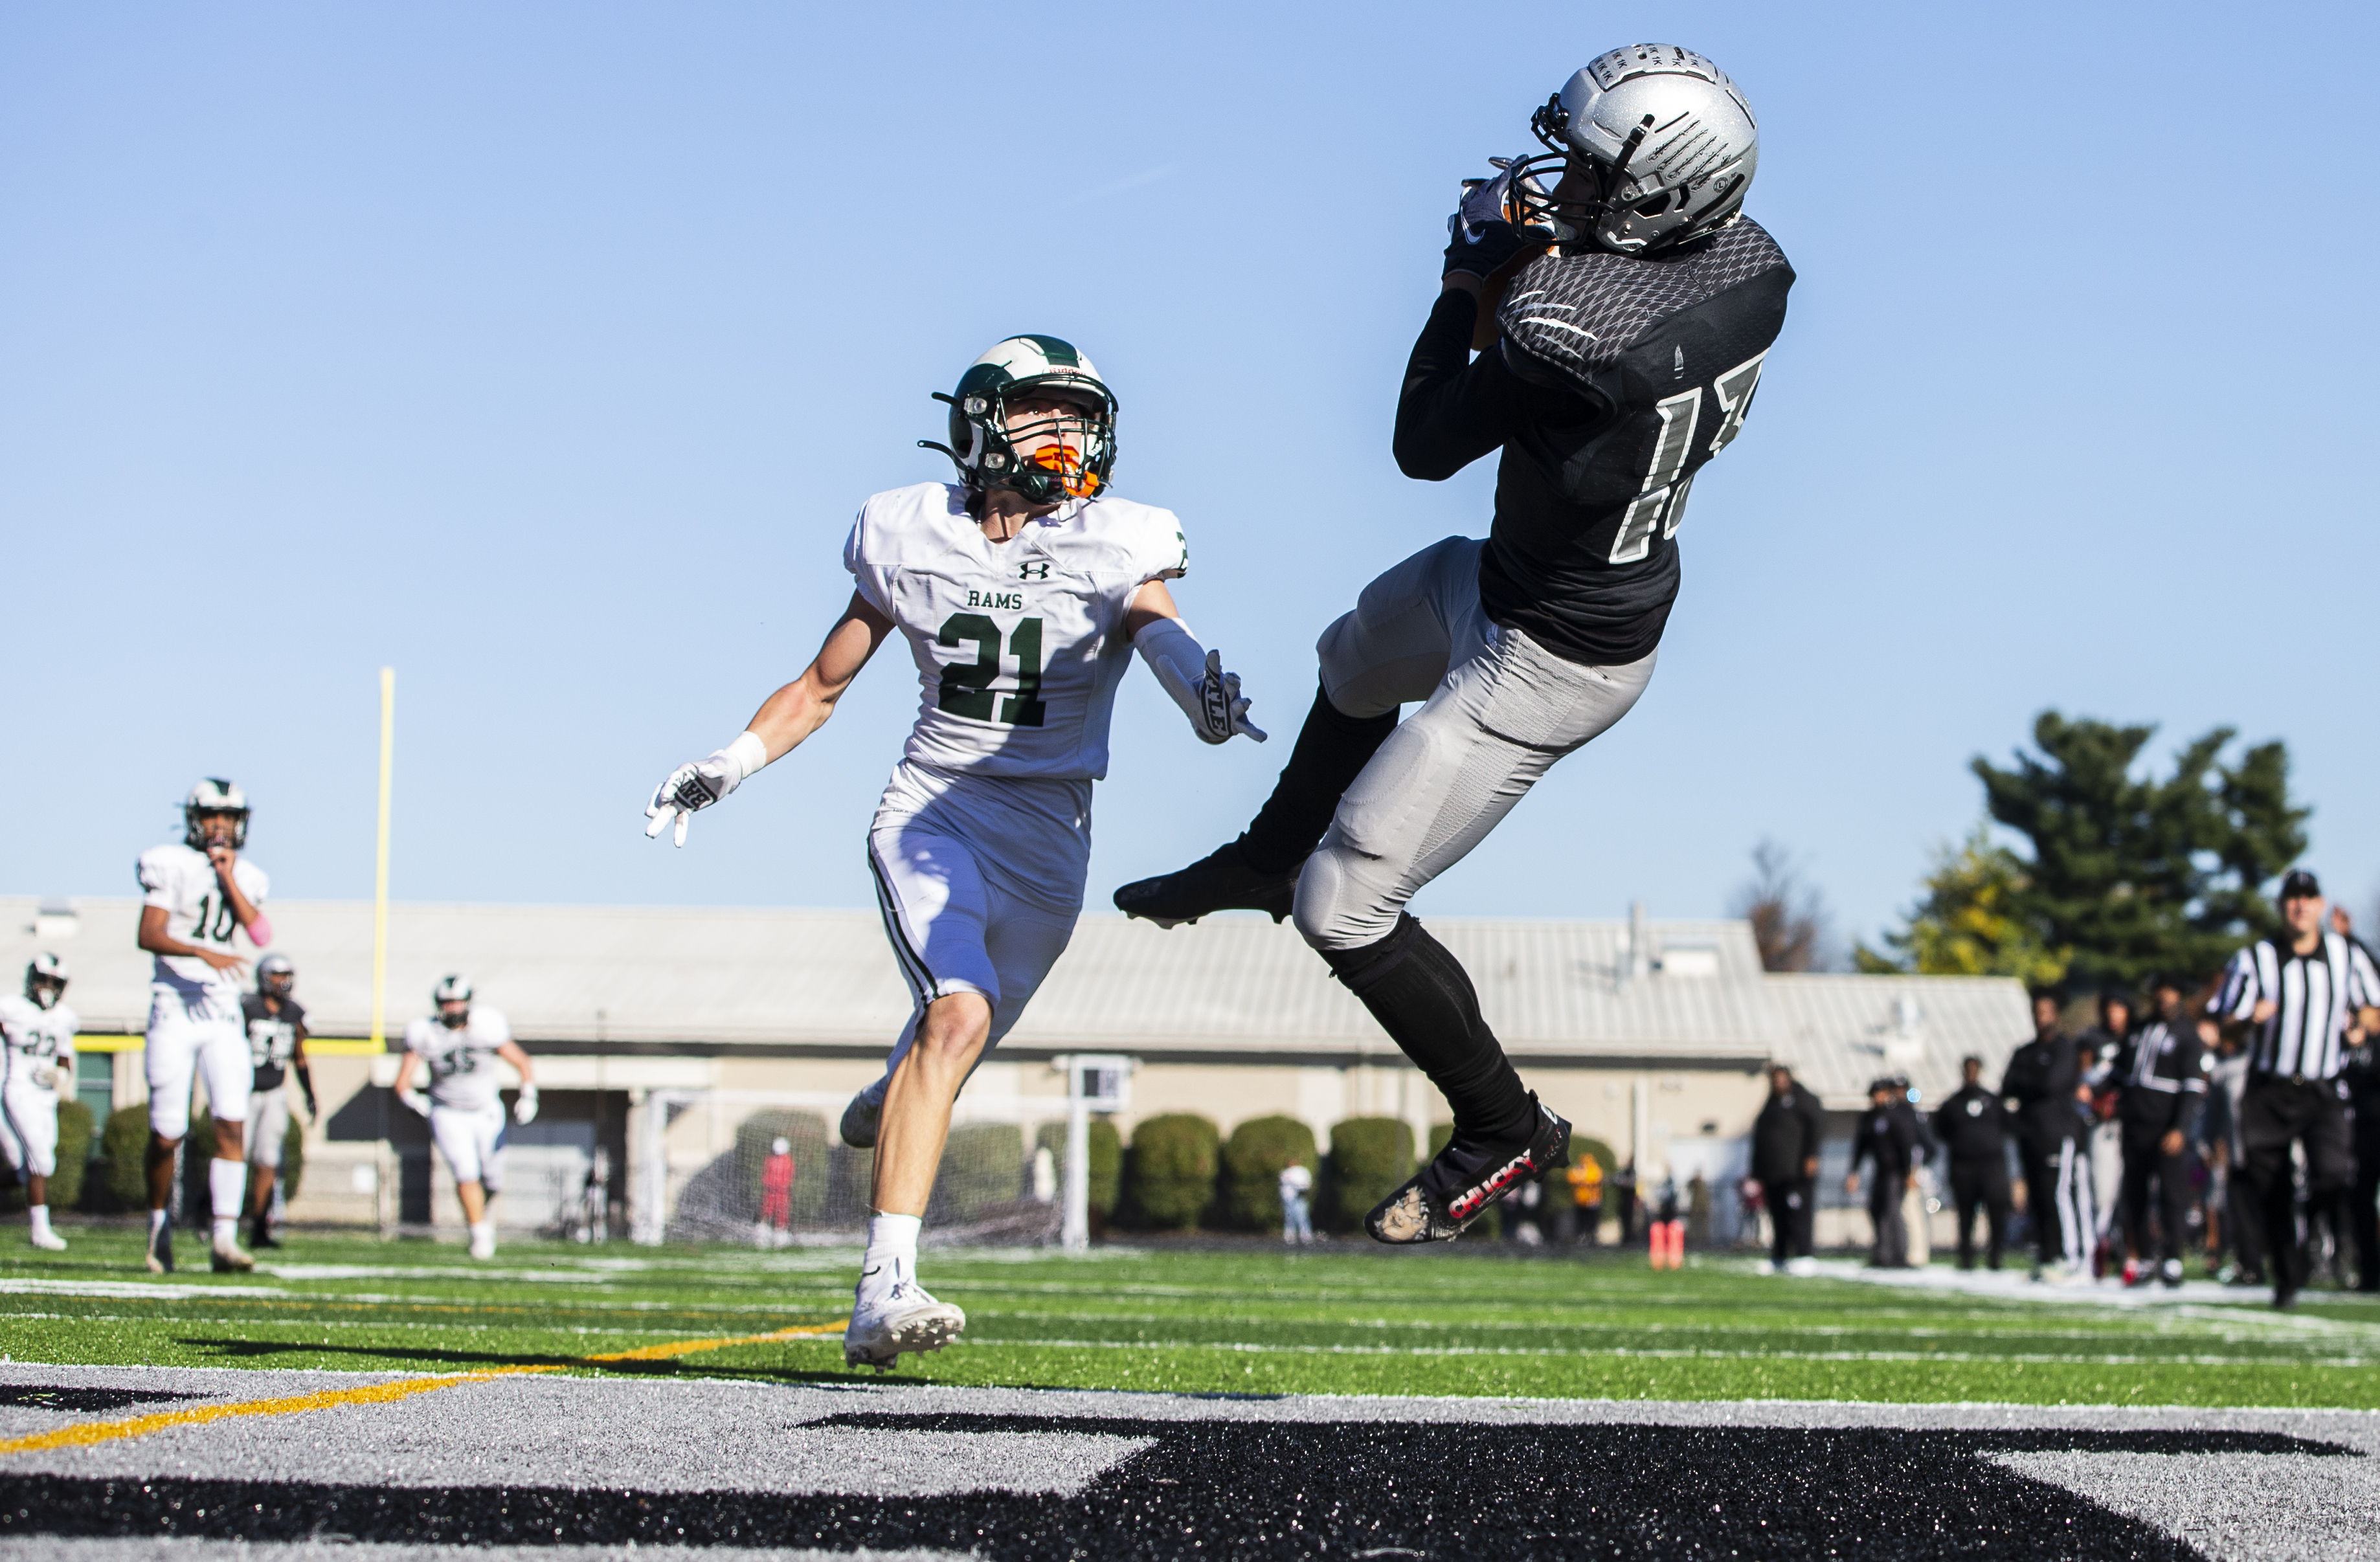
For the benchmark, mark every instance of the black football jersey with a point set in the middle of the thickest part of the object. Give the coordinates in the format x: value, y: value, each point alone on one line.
x: 271, y: 1038
x: 1617, y: 378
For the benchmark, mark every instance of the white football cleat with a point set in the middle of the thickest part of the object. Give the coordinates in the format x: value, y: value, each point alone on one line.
x: 228, y: 1258
x: 49, y: 1241
x: 863, y: 1117
x: 902, y: 1318
x: 483, y: 1240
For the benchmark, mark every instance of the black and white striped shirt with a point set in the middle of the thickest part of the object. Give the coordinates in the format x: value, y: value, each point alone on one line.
x: 2314, y: 997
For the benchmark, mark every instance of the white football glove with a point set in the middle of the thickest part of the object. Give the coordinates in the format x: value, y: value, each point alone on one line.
x: 699, y: 785
x: 524, y: 1109
x: 1196, y: 679
x: 414, y: 1101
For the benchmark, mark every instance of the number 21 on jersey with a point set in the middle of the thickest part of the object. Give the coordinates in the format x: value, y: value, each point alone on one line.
x: 966, y: 685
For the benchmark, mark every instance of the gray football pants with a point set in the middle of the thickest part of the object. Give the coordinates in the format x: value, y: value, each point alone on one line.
x: 1498, y: 709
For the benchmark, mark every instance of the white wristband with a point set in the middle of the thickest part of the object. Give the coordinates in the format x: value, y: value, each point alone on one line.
x: 1174, y: 654
x: 749, y: 752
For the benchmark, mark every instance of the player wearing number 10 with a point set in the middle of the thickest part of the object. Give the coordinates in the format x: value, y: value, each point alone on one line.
x: 1637, y: 308
x: 1023, y: 590
x: 201, y: 918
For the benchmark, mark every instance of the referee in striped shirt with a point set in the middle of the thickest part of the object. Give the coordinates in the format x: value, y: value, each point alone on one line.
x: 2307, y: 996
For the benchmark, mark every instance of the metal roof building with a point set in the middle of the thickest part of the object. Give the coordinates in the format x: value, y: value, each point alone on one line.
x: 1655, y: 995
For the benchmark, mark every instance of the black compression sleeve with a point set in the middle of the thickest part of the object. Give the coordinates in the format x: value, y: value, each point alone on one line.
x: 1452, y: 411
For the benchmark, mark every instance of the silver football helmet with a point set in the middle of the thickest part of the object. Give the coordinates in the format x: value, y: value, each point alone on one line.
x: 1666, y: 142
x: 276, y: 975
x: 450, y: 992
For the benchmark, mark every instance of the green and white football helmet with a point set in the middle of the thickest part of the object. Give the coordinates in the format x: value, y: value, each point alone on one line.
x: 1071, y: 454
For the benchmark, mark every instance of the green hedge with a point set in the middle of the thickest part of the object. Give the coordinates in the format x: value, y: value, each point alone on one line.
x: 74, y: 1154
x: 1107, y: 1162
x: 983, y: 1166
x: 123, y: 1144
x: 1368, y: 1158
x: 1173, y: 1160
x: 1254, y: 1158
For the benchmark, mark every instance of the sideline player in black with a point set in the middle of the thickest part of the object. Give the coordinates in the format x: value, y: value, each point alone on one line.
x: 1619, y: 362
x: 1972, y: 1126
x: 1786, y: 1138
x: 2161, y: 1074
x: 277, y: 1044
x: 2309, y: 994
x: 2043, y: 1080
x: 1887, y: 1136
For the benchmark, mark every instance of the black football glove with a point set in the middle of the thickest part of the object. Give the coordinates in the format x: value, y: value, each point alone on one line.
x: 1479, y: 239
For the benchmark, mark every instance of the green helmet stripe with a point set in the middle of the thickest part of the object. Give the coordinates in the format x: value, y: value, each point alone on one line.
x: 1061, y: 353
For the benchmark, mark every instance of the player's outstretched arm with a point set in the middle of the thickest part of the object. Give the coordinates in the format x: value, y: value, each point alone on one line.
x: 1191, y: 673
x: 411, y: 1099
x: 783, y: 720
x: 524, y: 1109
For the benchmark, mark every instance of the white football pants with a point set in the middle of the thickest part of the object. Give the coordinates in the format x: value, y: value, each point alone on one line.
x: 472, y: 1140
x: 268, y: 1126
x: 951, y: 873
x: 185, y: 1041
x: 29, y: 1127
x: 1497, y: 711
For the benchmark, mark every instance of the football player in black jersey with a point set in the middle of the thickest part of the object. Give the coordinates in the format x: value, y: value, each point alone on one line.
x: 276, y: 1047
x: 1632, y: 306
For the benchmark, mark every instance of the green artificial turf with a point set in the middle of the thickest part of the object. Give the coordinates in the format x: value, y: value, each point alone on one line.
x: 1343, y: 1320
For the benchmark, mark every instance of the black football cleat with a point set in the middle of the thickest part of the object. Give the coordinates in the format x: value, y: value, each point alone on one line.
x: 1457, y: 1187
x: 1221, y: 880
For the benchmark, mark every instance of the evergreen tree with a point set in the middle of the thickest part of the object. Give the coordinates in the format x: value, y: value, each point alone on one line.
x: 2136, y: 875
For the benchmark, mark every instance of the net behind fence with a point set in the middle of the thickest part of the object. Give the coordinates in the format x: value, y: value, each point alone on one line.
x: 711, y: 1172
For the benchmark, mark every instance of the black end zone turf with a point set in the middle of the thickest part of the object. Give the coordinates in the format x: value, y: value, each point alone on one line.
x: 86, y: 1401
x: 1216, y: 1489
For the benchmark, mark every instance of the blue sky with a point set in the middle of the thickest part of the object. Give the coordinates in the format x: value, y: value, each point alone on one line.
x: 545, y: 352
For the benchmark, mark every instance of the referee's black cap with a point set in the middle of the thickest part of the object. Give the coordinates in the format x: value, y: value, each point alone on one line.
x: 2298, y: 884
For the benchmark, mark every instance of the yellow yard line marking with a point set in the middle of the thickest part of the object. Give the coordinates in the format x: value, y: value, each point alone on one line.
x: 83, y: 1434
x: 689, y: 1346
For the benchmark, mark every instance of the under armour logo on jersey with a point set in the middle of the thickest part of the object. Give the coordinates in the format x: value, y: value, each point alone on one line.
x: 1678, y: 362
x: 1038, y: 569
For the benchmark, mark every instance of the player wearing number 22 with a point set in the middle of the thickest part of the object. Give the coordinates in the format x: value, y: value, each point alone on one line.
x: 200, y: 917
x: 1633, y: 306
x: 1023, y: 590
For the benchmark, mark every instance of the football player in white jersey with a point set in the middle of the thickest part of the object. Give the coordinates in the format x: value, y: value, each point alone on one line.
x: 200, y: 917
x: 38, y: 1032
x: 458, y: 1049
x: 1022, y: 589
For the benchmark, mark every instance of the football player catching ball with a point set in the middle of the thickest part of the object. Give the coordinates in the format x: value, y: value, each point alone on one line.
x: 1633, y: 306
x: 1023, y: 590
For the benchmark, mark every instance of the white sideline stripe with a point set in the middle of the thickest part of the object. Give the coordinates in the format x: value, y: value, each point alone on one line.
x: 2029, y: 1359
x: 145, y: 1549
x: 2295, y: 1506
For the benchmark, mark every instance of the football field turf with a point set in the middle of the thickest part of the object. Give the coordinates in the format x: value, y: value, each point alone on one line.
x: 1220, y: 1319
x: 396, y: 1402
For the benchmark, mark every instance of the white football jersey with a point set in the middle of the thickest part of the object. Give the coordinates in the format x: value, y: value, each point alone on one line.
x: 1019, y: 645
x: 182, y: 881
x: 38, y: 1040
x: 462, y: 1061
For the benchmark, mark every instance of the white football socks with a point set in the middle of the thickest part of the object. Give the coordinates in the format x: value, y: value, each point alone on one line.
x: 227, y: 1181
x: 892, y: 1252
x: 156, y: 1223
x: 40, y: 1215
